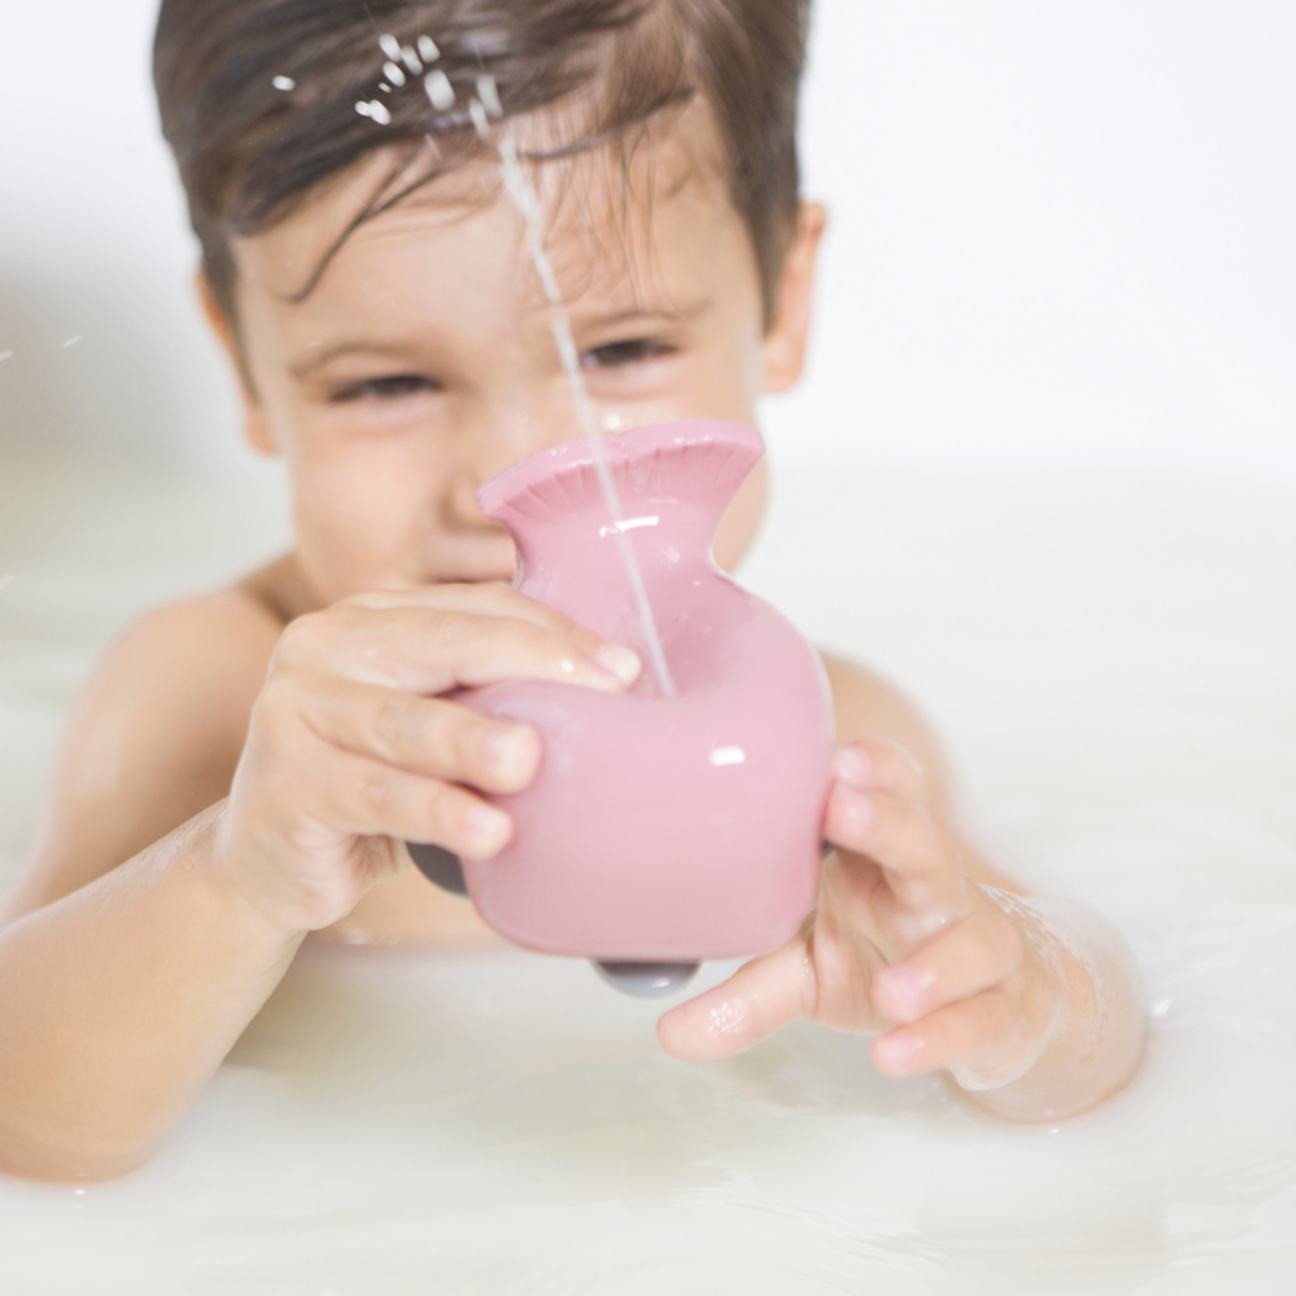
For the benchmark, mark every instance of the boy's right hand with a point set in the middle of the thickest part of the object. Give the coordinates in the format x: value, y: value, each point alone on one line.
x: 349, y: 754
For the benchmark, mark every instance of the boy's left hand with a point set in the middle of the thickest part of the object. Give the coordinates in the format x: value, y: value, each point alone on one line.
x: 901, y: 936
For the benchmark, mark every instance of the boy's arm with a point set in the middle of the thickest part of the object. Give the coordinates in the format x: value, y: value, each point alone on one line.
x: 126, y: 974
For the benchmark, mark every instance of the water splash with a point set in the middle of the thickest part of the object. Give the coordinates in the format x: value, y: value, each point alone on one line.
x: 441, y: 94
x: 375, y: 110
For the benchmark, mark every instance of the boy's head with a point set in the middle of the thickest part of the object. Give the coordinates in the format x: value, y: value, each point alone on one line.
x: 370, y: 276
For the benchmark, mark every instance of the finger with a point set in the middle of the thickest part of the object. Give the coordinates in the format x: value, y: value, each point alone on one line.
x: 426, y: 650
x: 427, y: 736
x: 923, y: 872
x: 977, y: 952
x: 879, y: 762
x: 479, y: 598
x: 761, y: 996
x: 355, y: 794
x: 986, y: 1038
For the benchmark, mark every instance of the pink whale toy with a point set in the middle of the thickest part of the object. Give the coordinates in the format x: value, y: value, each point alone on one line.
x: 659, y: 831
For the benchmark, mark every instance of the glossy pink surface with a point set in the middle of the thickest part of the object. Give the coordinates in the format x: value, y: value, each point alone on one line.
x: 657, y: 828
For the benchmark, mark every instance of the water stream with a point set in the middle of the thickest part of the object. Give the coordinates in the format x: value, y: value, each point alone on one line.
x: 522, y: 193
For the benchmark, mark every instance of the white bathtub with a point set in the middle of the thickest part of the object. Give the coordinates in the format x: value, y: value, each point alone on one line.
x: 1111, y: 655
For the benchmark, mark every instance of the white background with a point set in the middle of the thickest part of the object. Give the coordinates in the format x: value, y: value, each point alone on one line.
x: 1060, y: 232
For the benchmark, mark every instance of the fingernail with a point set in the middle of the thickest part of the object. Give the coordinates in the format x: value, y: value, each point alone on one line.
x: 489, y: 828
x: 856, y: 809
x: 851, y: 766
x: 624, y: 663
x: 512, y: 752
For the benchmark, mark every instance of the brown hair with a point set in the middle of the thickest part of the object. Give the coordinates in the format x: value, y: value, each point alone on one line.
x: 249, y: 153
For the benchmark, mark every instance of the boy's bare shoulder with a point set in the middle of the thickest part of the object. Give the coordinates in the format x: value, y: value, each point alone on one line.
x: 153, y: 736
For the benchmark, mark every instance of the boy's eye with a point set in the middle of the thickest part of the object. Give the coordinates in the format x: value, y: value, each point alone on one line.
x: 629, y: 352
x: 389, y: 388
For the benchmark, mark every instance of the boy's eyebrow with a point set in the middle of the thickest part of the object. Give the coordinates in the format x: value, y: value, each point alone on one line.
x: 676, y: 314
x: 681, y: 313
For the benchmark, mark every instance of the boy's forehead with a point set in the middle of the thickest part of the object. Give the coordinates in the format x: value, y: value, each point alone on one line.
x: 660, y: 208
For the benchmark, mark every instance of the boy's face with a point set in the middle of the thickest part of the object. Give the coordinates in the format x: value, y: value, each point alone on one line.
x: 423, y: 362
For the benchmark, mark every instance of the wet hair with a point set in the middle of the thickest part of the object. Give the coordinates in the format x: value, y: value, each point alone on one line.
x: 259, y: 98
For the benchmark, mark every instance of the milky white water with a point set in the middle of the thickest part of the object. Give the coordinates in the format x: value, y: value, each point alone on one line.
x: 1109, y: 656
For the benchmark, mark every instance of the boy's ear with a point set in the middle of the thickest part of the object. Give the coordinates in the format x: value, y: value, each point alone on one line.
x: 784, y: 346
x: 256, y: 427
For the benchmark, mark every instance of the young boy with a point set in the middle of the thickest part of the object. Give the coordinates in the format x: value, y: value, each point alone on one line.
x: 244, y: 766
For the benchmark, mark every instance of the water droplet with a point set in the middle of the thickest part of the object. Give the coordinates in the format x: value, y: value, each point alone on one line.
x: 378, y: 111
x: 427, y: 49
x: 7, y: 355
x: 439, y: 90
x: 284, y: 83
x: 390, y: 46
x: 72, y: 341
x: 489, y: 95
x: 394, y: 74
x: 411, y: 60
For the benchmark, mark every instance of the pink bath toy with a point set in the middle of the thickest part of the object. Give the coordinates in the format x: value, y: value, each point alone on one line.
x: 659, y: 831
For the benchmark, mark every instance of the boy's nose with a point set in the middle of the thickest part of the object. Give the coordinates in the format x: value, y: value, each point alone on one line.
x: 508, y: 439
x: 511, y: 440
